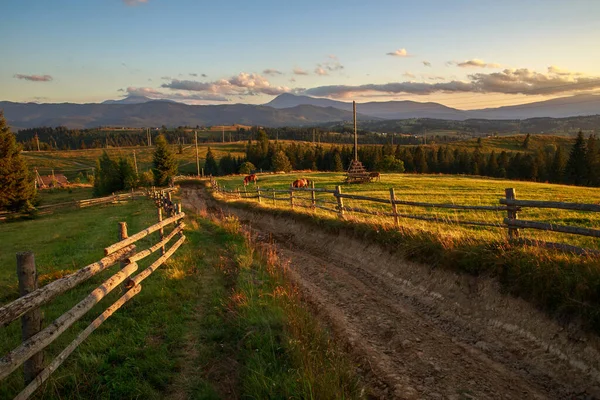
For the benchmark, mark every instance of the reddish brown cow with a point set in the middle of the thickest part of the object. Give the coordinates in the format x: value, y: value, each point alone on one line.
x: 250, y: 178
x: 375, y: 175
x: 300, y: 183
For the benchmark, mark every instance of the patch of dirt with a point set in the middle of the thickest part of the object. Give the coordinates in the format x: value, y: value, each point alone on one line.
x: 420, y: 332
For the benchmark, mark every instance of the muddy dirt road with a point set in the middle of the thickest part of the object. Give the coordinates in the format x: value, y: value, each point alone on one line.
x: 423, y: 333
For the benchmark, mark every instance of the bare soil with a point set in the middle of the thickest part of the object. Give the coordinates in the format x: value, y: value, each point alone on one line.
x: 419, y: 332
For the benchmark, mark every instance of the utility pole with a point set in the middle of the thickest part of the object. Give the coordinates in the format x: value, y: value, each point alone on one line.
x: 135, y: 162
x: 197, y: 157
x: 392, y: 138
x: 314, y: 136
x: 223, y: 133
x: 37, y: 140
x: 355, y: 137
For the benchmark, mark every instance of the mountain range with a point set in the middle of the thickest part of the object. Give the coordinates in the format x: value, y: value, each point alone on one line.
x: 285, y: 110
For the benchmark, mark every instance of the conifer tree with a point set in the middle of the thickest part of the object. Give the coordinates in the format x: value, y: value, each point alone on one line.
x: 576, y: 169
x: 281, y: 162
x: 592, y: 162
x: 337, y: 163
x: 17, y: 188
x: 210, y: 165
x: 164, y: 163
x: 557, y: 169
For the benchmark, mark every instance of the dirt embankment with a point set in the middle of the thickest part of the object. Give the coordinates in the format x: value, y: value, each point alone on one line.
x: 425, y: 333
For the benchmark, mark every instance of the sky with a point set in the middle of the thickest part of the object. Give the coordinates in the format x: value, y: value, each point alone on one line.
x: 464, y: 54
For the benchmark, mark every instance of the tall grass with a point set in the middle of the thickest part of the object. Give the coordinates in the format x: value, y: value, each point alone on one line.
x: 567, y: 286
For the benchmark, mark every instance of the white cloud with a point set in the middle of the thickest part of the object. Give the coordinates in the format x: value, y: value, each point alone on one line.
x: 272, y: 72
x: 300, y: 71
x: 242, y: 84
x: 409, y: 75
x: 475, y: 63
x: 134, y: 2
x: 320, y: 71
x: 509, y: 81
x: 34, y: 78
x: 398, y: 53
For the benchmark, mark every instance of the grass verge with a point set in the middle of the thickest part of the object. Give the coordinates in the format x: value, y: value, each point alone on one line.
x: 564, y: 285
x: 218, y: 320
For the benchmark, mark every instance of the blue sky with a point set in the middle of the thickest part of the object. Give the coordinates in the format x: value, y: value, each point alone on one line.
x: 465, y: 54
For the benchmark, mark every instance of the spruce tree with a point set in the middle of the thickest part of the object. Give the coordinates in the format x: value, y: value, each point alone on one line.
x: 576, y: 169
x: 281, y: 162
x: 557, y: 169
x: 17, y: 188
x: 164, y: 163
x: 592, y: 162
x: 210, y: 165
x: 337, y: 163
x: 527, y: 141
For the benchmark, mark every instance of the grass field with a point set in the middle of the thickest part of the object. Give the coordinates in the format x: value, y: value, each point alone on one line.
x: 463, y: 190
x: 71, y: 162
x: 206, y: 325
x: 567, y: 286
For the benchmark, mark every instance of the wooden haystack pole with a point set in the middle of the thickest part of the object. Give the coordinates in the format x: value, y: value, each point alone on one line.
x: 356, y: 172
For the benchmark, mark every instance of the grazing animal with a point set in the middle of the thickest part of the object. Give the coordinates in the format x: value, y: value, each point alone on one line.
x: 300, y: 183
x: 375, y: 175
x: 250, y: 178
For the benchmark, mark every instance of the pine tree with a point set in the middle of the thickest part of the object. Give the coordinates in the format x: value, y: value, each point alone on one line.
x: 527, y: 141
x: 210, y: 165
x: 337, y: 163
x: 592, y: 162
x: 492, y: 166
x: 281, y: 162
x: 576, y: 169
x: 17, y: 188
x: 106, y: 176
x: 164, y: 163
x: 420, y: 161
x: 557, y: 169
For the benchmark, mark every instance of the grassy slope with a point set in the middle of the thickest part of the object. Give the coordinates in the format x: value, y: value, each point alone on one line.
x: 466, y: 190
x: 72, y: 161
x: 567, y: 286
x: 187, y: 334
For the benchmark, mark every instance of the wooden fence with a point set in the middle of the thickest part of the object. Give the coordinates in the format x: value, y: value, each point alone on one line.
x: 508, y: 204
x: 35, y: 339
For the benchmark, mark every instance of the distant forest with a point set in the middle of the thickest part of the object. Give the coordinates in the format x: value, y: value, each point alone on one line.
x: 580, y: 166
x: 61, y: 138
x: 404, y: 132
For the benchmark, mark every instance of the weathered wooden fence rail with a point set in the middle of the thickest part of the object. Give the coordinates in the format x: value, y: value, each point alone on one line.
x: 509, y: 204
x: 35, y: 339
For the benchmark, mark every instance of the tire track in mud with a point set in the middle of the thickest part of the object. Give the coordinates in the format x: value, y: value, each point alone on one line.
x: 422, y: 333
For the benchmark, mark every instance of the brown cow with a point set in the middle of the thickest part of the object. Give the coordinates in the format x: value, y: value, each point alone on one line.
x: 375, y: 175
x: 300, y: 183
x: 250, y: 178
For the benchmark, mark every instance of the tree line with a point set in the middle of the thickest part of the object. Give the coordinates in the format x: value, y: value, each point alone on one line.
x: 580, y: 166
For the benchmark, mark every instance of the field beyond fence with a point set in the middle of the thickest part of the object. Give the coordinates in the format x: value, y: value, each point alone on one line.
x: 124, y: 252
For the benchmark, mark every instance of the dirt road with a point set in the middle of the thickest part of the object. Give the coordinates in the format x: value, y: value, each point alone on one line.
x: 424, y: 333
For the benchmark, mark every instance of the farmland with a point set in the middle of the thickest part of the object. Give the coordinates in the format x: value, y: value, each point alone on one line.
x: 204, y: 308
x: 461, y: 190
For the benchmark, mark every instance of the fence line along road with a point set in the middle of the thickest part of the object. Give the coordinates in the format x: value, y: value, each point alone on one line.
x: 35, y: 339
x: 509, y: 204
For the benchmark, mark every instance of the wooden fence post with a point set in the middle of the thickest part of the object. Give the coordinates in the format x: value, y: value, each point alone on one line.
x: 394, y: 206
x: 161, y: 231
x: 258, y: 192
x: 273, y: 189
x: 127, y: 283
x: 31, y: 322
x: 180, y: 222
x: 313, y: 198
x: 513, y: 233
x: 338, y: 191
x: 292, y: 198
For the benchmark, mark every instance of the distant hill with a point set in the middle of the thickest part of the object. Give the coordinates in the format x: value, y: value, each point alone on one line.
x: 555, y: 108
x: 385, y: 110
x: 135, y: 100
x: 157, y: 113
x: 584, y: 104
